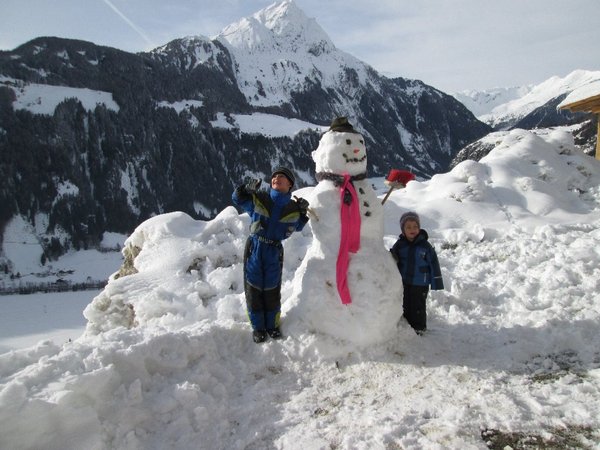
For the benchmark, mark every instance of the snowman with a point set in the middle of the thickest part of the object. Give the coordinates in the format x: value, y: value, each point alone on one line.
x: 348, y: 285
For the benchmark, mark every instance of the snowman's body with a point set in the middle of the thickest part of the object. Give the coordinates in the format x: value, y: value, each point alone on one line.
x: 373, y: 279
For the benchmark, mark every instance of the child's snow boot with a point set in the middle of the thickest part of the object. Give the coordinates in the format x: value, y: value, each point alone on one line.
x: 275, y: 333
x: 259, y: 336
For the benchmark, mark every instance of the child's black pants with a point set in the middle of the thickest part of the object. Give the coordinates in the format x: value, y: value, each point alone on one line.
x: 414, y: 306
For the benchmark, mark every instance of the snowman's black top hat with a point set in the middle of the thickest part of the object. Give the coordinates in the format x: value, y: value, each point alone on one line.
x: 342, y: 125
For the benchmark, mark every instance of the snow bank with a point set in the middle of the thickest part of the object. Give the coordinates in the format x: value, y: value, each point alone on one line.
x: 512, y: 346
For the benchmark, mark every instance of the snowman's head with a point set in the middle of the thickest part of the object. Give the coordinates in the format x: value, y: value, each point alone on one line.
x: 341, y: 152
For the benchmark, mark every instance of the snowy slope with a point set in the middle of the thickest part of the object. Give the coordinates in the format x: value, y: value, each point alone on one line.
x: 511, y: 352
x: 264, y: 124
x: 43, y: 98
x: 497, y: 107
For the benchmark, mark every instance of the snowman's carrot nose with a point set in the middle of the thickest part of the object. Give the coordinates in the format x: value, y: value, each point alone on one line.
x: 356, y: 150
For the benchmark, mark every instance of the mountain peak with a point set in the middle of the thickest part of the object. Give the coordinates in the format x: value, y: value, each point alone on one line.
x: 282, y: 17
x: 277, y: 48
x: 282, y: 26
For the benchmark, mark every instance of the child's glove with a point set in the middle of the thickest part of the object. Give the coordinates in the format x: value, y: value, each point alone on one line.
x: 302, y: 205
x: 252, y: 186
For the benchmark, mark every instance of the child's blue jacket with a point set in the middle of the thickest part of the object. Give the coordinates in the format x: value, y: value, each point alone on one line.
x: 274, y: 217
x: 418, y: 262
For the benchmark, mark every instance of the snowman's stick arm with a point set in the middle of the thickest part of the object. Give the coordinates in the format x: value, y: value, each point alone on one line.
x: 397, y: 179
x: 393, y: 185
x: 387, y: 195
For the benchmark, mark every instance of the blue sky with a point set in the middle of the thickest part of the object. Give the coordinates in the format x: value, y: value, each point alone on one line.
x: 450, y: 44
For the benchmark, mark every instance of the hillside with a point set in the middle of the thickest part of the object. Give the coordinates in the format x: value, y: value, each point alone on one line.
x: 97, y: 140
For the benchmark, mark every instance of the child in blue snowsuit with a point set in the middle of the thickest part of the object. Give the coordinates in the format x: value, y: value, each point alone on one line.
x: 419, y: 266
x: 274, y: 217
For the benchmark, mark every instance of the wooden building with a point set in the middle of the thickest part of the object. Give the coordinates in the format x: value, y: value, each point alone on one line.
x: 587, y: 105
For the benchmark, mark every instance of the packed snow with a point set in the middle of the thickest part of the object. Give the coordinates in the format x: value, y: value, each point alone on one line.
x: 167, y: 359
x: 326, y: 278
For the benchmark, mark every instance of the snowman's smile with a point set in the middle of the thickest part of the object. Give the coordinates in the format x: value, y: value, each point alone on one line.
x: 354, y: 160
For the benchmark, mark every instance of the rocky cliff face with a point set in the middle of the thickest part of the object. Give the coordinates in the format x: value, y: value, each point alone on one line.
x: 94, y: 139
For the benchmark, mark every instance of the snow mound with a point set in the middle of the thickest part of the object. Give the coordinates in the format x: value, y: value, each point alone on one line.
x: 512, y: 348
x: 529, y: 179
x: 182, y: 267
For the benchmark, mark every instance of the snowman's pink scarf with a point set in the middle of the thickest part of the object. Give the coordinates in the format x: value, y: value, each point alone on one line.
x: 350, y: 238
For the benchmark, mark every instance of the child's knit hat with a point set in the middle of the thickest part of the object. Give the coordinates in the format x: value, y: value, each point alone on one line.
x: 286, y: 173
x: 410, y: 215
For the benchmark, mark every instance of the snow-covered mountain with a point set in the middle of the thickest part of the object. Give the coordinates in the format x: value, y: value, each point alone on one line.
x: 482, y: 103
x: 528, y: 106
x: 540, y: 108
x: 510, y: 358
x: 279, y: 51
x: 175, y: 129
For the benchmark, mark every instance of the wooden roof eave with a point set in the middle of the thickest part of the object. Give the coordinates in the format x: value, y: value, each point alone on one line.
x: 590, y: 104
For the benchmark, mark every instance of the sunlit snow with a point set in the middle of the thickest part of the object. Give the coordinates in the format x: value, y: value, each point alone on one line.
x: 44, y: 98
x: 264, y: 124
x: 167, y: 360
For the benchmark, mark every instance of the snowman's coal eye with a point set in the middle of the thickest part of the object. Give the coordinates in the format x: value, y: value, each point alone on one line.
x: 361, y: 141
x: 348, y: 141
